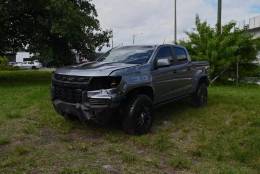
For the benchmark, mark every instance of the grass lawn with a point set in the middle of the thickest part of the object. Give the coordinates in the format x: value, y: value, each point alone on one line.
x: 223, y: 137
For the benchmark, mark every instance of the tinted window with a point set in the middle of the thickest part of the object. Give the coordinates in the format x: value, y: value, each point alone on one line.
x: 165, y: 52
x: 180, y: 54
x: 129, y: 55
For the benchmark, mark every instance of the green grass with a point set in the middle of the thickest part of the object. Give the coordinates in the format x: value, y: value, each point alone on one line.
x: 4, y: 140
x: 223, y: 137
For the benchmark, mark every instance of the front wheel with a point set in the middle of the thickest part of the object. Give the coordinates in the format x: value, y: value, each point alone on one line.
x: 138, y: 117
x: 200, y: 97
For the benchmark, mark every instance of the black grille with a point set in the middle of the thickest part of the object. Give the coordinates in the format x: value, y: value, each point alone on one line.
x: 67, y: 78
x: 69, y: 95
x: 69, y: 88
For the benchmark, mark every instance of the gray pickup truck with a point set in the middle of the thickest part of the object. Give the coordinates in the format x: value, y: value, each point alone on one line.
x: 129, y: 82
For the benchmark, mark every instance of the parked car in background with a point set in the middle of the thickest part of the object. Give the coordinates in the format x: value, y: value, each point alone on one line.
x: 129, y: 81
x: 28, y: 65
x: 12, y: 63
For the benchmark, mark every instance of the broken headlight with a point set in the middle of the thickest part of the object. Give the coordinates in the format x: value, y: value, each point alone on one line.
x: 98, y: 83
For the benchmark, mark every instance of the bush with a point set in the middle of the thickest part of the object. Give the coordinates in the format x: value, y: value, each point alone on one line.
x: 3, y: 61
x: 4, y: 64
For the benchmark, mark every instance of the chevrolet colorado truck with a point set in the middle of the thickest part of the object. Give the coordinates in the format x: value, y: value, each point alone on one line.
x: 129, y: 82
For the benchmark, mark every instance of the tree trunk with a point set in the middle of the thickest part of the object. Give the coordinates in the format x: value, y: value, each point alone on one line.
x: 237, y: 75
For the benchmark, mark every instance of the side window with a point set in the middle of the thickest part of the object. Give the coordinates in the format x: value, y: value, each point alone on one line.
x: 164, y: 53
x: 181, y: 54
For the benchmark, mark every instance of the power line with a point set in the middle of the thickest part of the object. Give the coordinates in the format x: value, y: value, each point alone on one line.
x: 175, y: 21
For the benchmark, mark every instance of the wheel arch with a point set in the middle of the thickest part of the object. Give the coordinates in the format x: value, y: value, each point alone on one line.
x: 204, y: 79
x: 142, y: 90
x: 199, y: 80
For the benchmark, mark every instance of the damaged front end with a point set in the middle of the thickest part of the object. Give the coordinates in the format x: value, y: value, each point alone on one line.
x: 88, y: 98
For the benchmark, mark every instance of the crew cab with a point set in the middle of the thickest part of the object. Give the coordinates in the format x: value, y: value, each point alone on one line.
x: 129, y: 82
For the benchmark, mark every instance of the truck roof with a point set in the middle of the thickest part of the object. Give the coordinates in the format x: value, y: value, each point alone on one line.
x: 156, y: 45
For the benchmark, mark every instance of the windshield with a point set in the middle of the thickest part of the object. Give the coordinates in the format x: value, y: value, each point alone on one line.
x: 129, y: 55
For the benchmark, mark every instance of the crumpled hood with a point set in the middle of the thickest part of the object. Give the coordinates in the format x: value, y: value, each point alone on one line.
x: 93, y: 69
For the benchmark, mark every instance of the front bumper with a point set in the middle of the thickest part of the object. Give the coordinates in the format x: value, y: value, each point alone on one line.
x: 97, y: 106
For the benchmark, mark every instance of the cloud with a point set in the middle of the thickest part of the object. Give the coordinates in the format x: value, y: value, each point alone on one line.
x: 153, y: 20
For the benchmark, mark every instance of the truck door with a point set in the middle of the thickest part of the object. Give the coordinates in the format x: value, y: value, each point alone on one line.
x: 182, y: 72
x: 162, y: 76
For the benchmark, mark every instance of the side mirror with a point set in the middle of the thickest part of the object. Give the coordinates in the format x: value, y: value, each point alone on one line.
x: 163, y: 63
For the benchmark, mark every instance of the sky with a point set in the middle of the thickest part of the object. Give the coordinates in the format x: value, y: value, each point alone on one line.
x: 152, y: 21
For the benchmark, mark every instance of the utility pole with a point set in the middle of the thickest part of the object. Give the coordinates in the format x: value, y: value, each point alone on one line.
x: 219, y: 22
x: 175, y: 21
x: 112, y: 39
x: 134, y: 35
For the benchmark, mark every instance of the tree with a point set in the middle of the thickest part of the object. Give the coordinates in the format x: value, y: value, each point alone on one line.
x: 223, y: 51
x: 54, y: 28
x: 257, y: 41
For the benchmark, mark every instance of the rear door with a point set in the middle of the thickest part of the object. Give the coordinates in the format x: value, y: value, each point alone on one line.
x: 182, y: 72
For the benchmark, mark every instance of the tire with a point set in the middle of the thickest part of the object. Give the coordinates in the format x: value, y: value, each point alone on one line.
x: 200, y: 97
x: 138, y: 117
x: 34, y: 68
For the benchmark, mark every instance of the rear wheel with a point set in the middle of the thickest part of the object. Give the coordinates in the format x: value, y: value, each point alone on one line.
x: 138, y: 115
x: 200, y: 97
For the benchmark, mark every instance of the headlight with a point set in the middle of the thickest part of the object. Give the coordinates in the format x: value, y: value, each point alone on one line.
x: 98, y: 83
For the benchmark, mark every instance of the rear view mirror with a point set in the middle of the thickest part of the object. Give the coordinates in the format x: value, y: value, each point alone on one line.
x: 163, y: 63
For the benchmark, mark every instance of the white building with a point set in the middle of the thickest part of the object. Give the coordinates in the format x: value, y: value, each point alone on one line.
x: 253, y: 26
x: 20, y: 56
